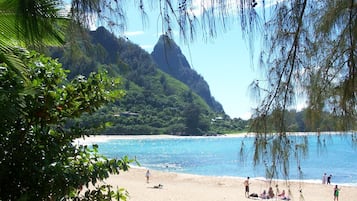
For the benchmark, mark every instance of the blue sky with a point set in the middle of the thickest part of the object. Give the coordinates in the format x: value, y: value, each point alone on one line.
x: 224, y: 61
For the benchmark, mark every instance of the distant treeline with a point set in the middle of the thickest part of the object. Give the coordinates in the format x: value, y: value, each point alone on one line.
x: 302, y: 121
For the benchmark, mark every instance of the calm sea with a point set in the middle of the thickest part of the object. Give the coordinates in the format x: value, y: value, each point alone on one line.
x: 220, y: 156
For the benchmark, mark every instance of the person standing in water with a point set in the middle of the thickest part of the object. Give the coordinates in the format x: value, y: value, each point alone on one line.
x: 329, y: 179
x: 324, y: 178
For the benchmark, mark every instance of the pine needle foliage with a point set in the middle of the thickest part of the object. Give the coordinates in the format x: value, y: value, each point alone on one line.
x: 309, y: 54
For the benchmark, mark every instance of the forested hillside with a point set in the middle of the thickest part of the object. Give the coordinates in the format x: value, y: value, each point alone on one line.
x: 171, y: 60
x: 154, y: 103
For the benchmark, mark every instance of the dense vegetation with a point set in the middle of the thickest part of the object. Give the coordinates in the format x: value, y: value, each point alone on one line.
x: 38, y: 159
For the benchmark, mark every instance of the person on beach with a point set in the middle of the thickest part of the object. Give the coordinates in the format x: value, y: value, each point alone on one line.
x: 282, y: 194
x: 329, y: 179
x: 246, y: 185
x: 270, y: 192
x: 336, y: 192
x: 324, y: 178
x: 263, y: 195
x: 147, y: 175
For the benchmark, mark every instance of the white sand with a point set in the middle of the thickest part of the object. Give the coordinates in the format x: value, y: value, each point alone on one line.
x: 179, y: 187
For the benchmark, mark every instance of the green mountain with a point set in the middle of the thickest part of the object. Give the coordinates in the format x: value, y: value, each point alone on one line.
x: 155, y: 102
x: 171, y: 60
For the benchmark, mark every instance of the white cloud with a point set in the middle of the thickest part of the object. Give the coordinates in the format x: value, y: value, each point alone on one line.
x: 301, y: 105
x: 134, y: 33
x: 92, y: 22
x: 246, y: 115
x: 65, y: 10
x: 147, y: 47
x: 231, y: 5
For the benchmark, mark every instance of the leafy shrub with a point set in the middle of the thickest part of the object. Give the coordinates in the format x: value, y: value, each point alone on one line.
x: 39, y: 160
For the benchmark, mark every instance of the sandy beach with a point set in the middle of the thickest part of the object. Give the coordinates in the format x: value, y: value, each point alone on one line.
x: 180, y: 187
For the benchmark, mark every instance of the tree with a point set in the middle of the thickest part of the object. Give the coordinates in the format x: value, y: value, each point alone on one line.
x: 303, y: 61
x: 39, y: 160
x: 28, y: 23
x: 319, y: 61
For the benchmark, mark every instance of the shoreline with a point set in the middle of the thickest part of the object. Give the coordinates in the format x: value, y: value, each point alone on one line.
x: 104, y: 138
x: 262, y: 179
x: 182, y: 186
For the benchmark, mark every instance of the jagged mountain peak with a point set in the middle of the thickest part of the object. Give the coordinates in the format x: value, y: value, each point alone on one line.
x: 172, y: 58
x: 169, y: 57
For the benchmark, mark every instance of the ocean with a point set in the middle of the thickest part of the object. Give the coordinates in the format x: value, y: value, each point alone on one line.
x: 333, y: 154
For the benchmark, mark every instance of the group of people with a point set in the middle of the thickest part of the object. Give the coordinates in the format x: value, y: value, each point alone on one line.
x: 265, y: 195
x: 270, y: 194
x: 326, y: 179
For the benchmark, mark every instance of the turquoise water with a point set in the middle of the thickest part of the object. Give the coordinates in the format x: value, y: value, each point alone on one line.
x: 219, y: 156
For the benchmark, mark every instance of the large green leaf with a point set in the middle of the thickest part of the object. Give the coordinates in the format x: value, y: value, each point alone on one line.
x: 31, y: 23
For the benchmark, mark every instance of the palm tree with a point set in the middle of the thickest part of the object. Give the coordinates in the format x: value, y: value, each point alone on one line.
x: 28, y: 24
x: 37, y: 23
